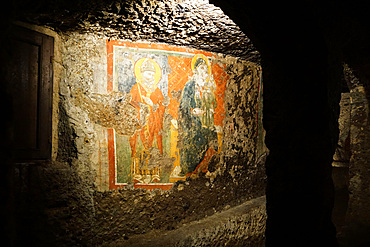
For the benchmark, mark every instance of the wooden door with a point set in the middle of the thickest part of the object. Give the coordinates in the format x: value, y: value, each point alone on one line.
x: 30, y: 83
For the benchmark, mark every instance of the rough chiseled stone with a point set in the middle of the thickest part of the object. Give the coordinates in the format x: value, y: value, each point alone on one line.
x: 84, y: 212
x: 198, y: 25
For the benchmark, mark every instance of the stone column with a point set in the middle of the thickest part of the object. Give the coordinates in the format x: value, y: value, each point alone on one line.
x: 299, y: 184
x: 341, y: 163
x: 357, y: 225
x: 299, y: 116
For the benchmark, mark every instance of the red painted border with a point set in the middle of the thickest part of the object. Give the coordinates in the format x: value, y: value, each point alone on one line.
x: 111, y: 159
x: 154, y: 186
x: 109, y: 66
x: 110, y: 87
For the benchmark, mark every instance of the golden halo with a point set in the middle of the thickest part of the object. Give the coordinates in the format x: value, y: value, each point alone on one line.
x: 196, y: 57
x: 137, y: 70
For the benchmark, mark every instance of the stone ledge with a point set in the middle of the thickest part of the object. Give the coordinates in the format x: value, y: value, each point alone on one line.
x: 243, y: 225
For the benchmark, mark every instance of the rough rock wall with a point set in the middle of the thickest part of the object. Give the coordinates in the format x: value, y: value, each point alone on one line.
x: 240, y: 140
x: 357, y: 220
x: 196, y: 24
x: 340, y: 164
x: 60, y: 199
x: 232, y: 177
x: 54, y: 205
x: 243, y: 225
x: 53, y: 200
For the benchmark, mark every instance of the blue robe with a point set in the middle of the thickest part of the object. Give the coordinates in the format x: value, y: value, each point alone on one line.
x: 194, y: 136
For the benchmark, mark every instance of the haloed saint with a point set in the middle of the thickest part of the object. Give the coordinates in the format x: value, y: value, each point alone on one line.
x: 196, y: 118
x: 147, y: 98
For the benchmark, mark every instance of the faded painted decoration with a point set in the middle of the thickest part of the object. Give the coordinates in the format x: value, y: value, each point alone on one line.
x: 177, y: 94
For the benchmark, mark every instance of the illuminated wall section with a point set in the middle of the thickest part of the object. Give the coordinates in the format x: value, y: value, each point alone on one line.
x: 177, y: 94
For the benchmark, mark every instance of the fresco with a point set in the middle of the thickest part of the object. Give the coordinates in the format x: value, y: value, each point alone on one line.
x: 178, y: 96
